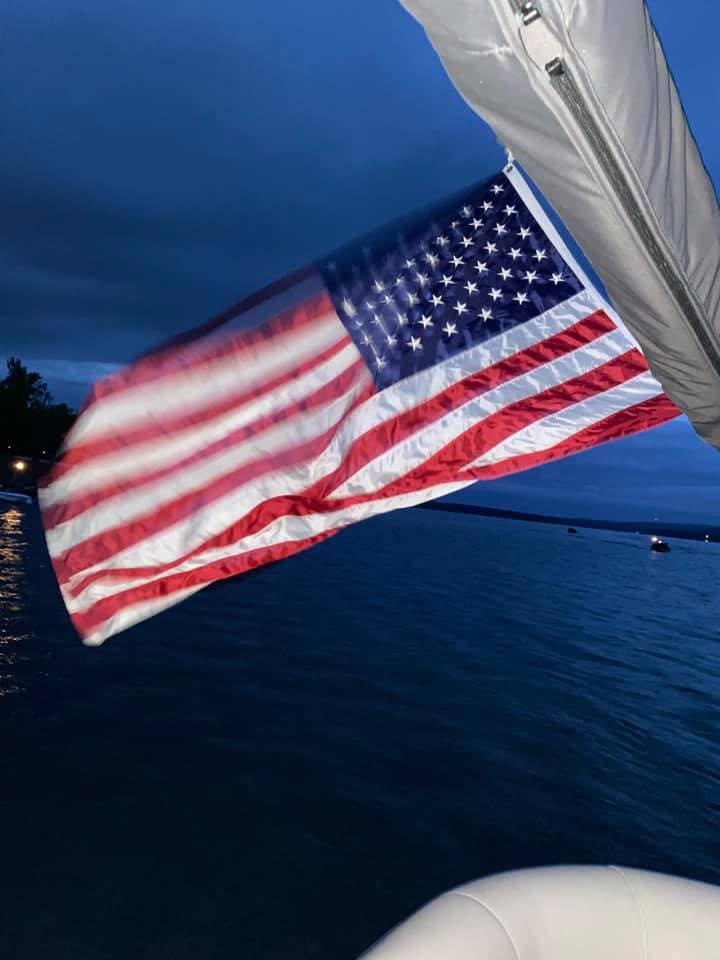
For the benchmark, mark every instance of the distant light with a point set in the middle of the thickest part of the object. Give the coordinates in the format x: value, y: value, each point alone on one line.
x: 19, y: 465
x: 654, y: 539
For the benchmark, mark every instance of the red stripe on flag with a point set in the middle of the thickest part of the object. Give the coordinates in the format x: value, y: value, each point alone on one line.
x: 395, y: 429
x: 370, y: 445
x: 336, y: 388
x: 161, y: 428
x: 431, y: 473
x: 448, y: 463
x: 654, y: 411
x: 651, y: 413
x: 97, y: 548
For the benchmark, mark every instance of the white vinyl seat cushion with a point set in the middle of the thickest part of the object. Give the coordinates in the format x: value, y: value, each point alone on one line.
x: 563, y: 913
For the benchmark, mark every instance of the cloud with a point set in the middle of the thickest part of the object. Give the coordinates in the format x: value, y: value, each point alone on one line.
x: 158, y: 164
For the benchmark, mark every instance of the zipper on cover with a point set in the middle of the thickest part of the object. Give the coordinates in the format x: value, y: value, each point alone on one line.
x: 545, y: 50
x: 526, y: 10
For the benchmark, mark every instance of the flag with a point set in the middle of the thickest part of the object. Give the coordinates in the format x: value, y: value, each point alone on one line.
x: 467, y: 347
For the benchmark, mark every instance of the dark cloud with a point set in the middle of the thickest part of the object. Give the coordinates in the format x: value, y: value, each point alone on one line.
x: 158, y: 163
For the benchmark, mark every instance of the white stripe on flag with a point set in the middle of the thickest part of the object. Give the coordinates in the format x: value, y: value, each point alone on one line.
x: 139, y: 459
x: 552, y: 430
x: 290, y: 432
x: 417, y: 389
x: 211, y: 383
x: 400, y: 459
x: 210, y: 520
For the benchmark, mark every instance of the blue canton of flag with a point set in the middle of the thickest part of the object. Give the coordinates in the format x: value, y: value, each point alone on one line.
x: 479, y: 269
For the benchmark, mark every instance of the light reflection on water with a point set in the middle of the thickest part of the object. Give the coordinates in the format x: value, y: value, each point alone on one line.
x: 13, y: 552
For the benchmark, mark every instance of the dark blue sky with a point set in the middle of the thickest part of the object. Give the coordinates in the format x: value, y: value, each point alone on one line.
x: 161, y: 160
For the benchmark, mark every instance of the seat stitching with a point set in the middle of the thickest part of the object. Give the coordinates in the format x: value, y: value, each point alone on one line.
x: 469, y: 896
x: 639, y: 906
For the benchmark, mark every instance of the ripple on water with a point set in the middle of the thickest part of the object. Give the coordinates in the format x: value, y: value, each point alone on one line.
x: 422, y: 699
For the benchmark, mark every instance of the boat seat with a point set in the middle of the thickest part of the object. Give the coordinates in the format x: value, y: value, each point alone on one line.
x: 563, y: 913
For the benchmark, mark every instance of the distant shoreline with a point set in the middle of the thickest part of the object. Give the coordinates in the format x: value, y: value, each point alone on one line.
x: 682, y: 531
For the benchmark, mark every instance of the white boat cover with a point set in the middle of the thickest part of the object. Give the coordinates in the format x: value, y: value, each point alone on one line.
x: 563, y: 913
x: 579, y: 91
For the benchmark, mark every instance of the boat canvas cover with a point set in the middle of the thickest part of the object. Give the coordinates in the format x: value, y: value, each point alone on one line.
x: 580, y: 92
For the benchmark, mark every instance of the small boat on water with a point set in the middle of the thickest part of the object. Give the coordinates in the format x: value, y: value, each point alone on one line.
x: 572, y: 530
x: 659, y: 546
x: 10, y: 496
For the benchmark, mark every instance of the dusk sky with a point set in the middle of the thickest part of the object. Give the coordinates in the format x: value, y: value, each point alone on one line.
x: 161, y: 160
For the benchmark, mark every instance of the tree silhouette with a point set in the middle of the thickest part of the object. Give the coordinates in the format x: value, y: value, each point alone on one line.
x: 31, y: 424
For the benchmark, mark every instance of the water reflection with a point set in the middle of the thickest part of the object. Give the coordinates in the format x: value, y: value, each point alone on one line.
x: 13, y: 550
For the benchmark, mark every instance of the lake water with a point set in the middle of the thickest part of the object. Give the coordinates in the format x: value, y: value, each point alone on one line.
x: 289, y: 763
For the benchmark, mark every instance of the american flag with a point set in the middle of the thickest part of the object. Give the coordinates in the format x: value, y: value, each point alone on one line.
x: 467, y: 347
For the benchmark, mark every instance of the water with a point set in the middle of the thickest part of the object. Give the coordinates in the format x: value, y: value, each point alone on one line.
x: 290, y: 763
